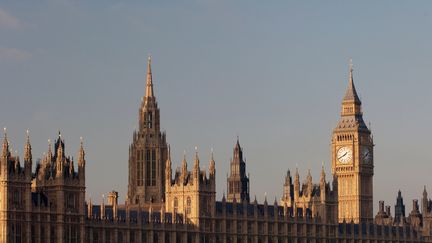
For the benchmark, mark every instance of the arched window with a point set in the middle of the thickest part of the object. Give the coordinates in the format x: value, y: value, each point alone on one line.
x: 149, y: 120
x: 175, y: 205
x: 188, y: 205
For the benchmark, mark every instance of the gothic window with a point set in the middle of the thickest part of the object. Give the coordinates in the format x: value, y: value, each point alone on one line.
x: 16, y: 198
x: 147, y: 158
x: 140, y: 169
x: 107, y: 236
x: 144, y: 237
x: 71, y: 201
x: 120, y: 237
x: 188, y: 205
x: 175, y: 205
x: 153, y: 162
x: 53, y: 234
x: 42, y: 234
x: 18, y: 233
x: 149, y: 119
x: 132, y: 237
x: 33, y: 239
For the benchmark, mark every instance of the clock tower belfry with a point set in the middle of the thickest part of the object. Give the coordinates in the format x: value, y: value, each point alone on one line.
x: 352, y: 160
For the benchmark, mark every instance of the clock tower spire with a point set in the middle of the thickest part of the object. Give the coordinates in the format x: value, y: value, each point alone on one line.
x: 352, y: 159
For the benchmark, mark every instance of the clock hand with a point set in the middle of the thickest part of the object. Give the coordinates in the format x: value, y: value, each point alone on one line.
x: 343, y: 155
x: 366, y: 155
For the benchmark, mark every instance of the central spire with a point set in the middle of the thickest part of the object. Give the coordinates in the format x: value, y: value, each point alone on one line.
x: 149, y: 82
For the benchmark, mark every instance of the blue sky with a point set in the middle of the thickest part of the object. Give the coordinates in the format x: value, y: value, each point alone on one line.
x: 272, y: 73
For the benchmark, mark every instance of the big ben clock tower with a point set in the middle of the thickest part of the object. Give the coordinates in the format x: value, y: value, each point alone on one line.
x: 352, y: 160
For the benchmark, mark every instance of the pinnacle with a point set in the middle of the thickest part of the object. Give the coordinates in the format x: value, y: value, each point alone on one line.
x: 149, y: 81
x: 351, y: 93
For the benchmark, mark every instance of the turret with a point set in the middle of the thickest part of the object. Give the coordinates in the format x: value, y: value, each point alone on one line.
x: 59, y: 160
x: 81, y: 161
x: 71, y: 168
x: 5, y: 150
x: 27, y: 156
x: 287, y: 190
x: 113, y: 201
x: 309, y: 184
x: 238, y: 181
x: 102, y: 207
x: 5, y: 155
x: 425, y: 202
x: 296, y: 185
x: 168, y: 169
x: 322, y: 184
x: 90, y: 209
x: 399, y: 208
x: 212, y: 167
x: 49, y: 154
x: 184, y: 171
x: 196, y: 169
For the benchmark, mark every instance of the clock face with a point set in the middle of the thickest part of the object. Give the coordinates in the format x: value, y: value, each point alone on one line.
x: 366, y: 155
x: 344, y: 155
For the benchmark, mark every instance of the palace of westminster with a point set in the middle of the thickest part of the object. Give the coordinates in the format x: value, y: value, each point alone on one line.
x: 162, y: 205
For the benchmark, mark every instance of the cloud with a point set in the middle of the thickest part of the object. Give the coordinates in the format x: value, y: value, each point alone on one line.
x: 8, y: 21
x: 13, y: 55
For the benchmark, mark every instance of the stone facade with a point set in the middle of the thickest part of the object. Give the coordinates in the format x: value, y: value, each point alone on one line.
x: 165, y: 206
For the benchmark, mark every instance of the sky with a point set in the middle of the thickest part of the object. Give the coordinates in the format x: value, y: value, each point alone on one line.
x: 271, y: 72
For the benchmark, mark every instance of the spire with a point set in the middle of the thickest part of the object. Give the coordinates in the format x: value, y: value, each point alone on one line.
x: 149, y: 82
x: 168, y: 161
x: 309, y: 176
x: 5, y: 143
x: 288, y: 178
x: 212, y: 168
x: 322, y: 179
x: 71, y: 167
x: 238, y: 152
x: 49, y: 153
x: 184, y: 165
x: 81, y: 156
x: 60, y: 151
x: 196, y: 163
x: 59, y: 162
x: 351, y: 93
x: 27, y: 148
